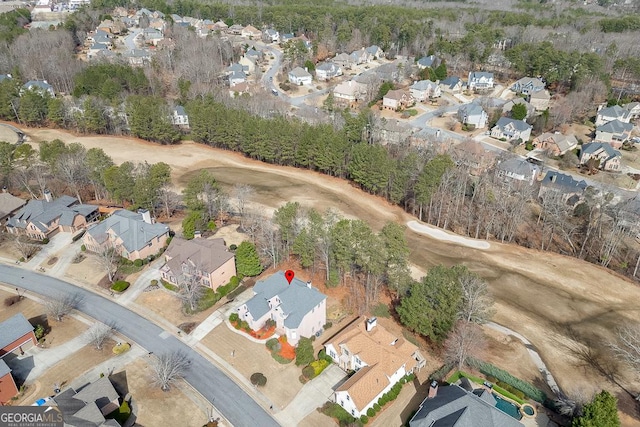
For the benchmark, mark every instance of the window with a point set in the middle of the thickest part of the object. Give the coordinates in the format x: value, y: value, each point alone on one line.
x: 348, y: 397
x: 353, y: 412
x: 342, y: 403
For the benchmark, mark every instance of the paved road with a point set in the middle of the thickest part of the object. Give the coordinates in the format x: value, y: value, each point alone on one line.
x: 216, y: 387
x: 129, y: 40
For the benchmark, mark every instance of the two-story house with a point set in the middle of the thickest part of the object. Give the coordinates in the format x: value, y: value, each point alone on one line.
x: 518, y: 171
x: 608, y: 159
x: 298, y: 308
x: 397, y: 100
x: 9, y: 205
x: 300, y: 76
x: 528, y: 85
x: 425, y: 89
x: 328, y: 70
x: 271, y: 36
x: 555, y: 143
x: 40, y: 86
x: 179, y: 117
x: 41, y: 219
x: 609, y: 114
x: 540, y: 100
x: 614, y: 133
x: 511, y: 129
x: 343, y: 60
x: 251, y: 32
x: 133, y: 235
x: 375, y: 52
x: 471, y: 155
x: 349, y: 93
x: 451, y: 84
x: 379, y: 358
x: 430, y: 61
x: 360, y: 57
x: 480, y: 80
x: 473, y: 115
x: 208, y: 260
x: 569, y: 189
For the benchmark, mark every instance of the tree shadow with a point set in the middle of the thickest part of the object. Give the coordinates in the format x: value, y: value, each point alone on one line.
x: 42, y: 320
x: 422, y: 391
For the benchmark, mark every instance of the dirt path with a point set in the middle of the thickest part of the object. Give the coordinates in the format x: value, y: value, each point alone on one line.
x: 557, y: 302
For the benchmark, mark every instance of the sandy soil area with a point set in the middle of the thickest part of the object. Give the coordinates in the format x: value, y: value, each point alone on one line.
x: 558, y: 303
x: 56, y: 332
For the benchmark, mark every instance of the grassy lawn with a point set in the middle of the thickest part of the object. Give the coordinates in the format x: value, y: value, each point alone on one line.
x: 127, y: 269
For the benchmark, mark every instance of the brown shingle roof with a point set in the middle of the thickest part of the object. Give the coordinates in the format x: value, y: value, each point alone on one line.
x: 206, y: 254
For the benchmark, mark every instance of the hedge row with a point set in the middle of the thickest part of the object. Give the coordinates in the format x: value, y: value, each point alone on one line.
x: 505, y: 377
x: 389, y: 396
x: 456, y: 376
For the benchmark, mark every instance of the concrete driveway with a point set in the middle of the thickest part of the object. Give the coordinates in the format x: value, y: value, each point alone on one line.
x: 56, y: 244
x: 313, y: 395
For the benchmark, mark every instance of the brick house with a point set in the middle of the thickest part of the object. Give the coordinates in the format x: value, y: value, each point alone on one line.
x: 8, y: 387
x: 397, y: 100
x: 298, y: 309
x: 16, y: 335
x: 208, y: 259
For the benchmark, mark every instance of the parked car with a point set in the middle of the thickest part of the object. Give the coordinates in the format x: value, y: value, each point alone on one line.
x: 275, y: 92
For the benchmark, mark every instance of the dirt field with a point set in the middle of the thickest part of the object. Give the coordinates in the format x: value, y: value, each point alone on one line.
x: 58, y: 332
x: 163, y: 303
x: 549, y: 298
x: 153, y: 403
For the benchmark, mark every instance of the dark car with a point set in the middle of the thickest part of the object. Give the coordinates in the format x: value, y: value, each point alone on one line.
x: 275, y: 92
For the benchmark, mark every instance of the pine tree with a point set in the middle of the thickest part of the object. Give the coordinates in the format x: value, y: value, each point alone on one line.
x: 247, y: 260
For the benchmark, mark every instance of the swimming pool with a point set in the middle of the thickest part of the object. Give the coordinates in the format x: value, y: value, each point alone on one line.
x: 507, y: 407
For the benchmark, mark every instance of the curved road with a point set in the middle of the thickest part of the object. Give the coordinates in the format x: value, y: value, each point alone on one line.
x: 238, y: 407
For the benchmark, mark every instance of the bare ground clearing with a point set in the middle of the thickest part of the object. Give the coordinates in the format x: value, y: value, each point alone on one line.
x: 167, y: 305
x: 549, y: 298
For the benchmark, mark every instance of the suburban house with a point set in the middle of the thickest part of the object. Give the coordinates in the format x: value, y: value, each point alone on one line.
x: 179, y: 117
x: 343, y: 60
x: 427, y: 62
x: 286, y: 37
x: 41, y: 219
x: 137, y: 57
x: 9, y: 204
x: 451, y: 85
x: 570, y: 189
x: 8, y: 388
x: 298, y: 309
x: 236, y: 68
x: 96, y: 49
x: 375, y: 52
x: 516, y: 169
x: 540, y: 100
x: 389, y: 72
x: 327, y: 70
x: 239, y: 90
x: 248, y: 63
x: 379, y: 358
x: 251, y: 32
x: 208, y: 260
x: 614, y: 133
x: 360, y: 57
x: 555, y: 143
x: 472, y: 155
x: 480, y: 80
x: 508, y: 106
x: 528, y: 85
x: 473, y: 114
x: 397, y: 100
x: 88, y: 406
x: 271, y: 36
x: 254, y: 55
x: 300, y: 76
x: 511, y: 129
x: 133, y: 235
x: 633, y: 108
x: 425, y: 89
x: 41, y: 86
x: 608, y: 158
x: 349, y: 93
x: 456, y: 407
x: 235, y: 29
x: 152, y: 36
x: 392, y: 132
x: 237, y: 77
x: 16, y: 335
x: 609, y: 114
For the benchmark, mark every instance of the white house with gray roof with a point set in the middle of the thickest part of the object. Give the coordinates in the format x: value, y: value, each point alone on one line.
x: 298, y: 309
x: 609, y: 114
x: 511, y: 129
x: 528, y: 85
x: 133, y: 235
x: 41, y: 219
x: 608, y: 158
x: 427, y: 61
x: 328, y: 70
x: 41, y: 86
x: 518, y: 170
x: 480, y: 80
x: 473, y: 114
x: 300, y: 76
x: 179, y: 117
x: 425, y: 89
x: 454, y: 406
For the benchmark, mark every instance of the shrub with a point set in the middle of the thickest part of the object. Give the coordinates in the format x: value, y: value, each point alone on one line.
x: 234, y: 317
x: 45, y: 240
x: 154, y: 282
x: 83, y: 248
x: 39, y: 331
x: 364, y: 419
x: 376, y: 407
x: 78, y: 236
x: 308, y: 372
x: 505, y: 377
x: 9, y: 301
x: 272, y: 344
x: 258, y: 379
x: 371, y: 412
x: 121, y: 348
x: 304, y: 352
x: 327, y: 325
x: 120, y: 286
x: 169, y: 286
x: 138, y: 263
x: 319, y: 366
x: 280, y: 359
x: 233, y: 247
x: 336, y: 411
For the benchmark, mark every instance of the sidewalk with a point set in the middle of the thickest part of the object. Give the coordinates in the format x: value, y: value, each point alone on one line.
x: 151, y: 272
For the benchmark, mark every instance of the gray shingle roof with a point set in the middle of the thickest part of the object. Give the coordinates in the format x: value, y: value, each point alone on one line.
x: 450, y: 81
x: 520, y: 125
x: 180, y: 111
x: 38, y: 84
x: 296, y: 298
x: 423, y: 85
x: 592, y: 147
x: 615, y: 126
x: 427, y: 61
x: 299, y: 72
x: 453, y: 406
x: 42, y: 213
x: 100, y: 391
x: 130, y: 227
x: 476, y: 75
x: 9, y: 203
x: 84, y: 408
x: 471, y: 109
x: 562, y: 182
x: 14, y: 328
x: 517, y: 166
x: 613, y: 111
x: 4, y: 368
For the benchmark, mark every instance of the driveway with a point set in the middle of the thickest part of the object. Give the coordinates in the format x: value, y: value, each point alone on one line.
x: 151, y: 272
x: 56, y: 243
x: 215, y: 386
x: 313, y: 395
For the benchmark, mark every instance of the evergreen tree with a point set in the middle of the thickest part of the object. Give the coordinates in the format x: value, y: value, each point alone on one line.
x: 602, y: 411
x: 247, y: 260
x: 304, y: 352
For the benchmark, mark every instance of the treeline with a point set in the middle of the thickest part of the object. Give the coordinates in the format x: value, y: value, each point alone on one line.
x: 621, y: 24
x: 12, y: 24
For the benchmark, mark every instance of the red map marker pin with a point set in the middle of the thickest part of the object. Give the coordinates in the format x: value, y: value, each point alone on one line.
x: 289, y: 274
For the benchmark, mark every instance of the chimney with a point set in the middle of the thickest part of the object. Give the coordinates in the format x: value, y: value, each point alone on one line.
x: 146, y: 215
x: 553, y: 178
x: 197, y: 234
x: 47, y: 196
x: 371, y: 323
x: 433, y: 389
x: 4, y: 189
x: 306, y: 69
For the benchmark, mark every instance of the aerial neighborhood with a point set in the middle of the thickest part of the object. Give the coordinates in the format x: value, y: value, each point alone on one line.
x: 282, y: 214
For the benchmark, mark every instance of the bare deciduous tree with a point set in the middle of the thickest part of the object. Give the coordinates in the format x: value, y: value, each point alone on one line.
x: 241, y: 193
x: 72, y: 167
x: 477, y: 303
x: 108, y: 260
x: 169, y: 200
x: 627, y: 347
x: 168, y: 368
x: 98, y: 334
x: 190, y: 288
x: 26, y: 248
x: 466, y: 340
x: 61, y: 305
